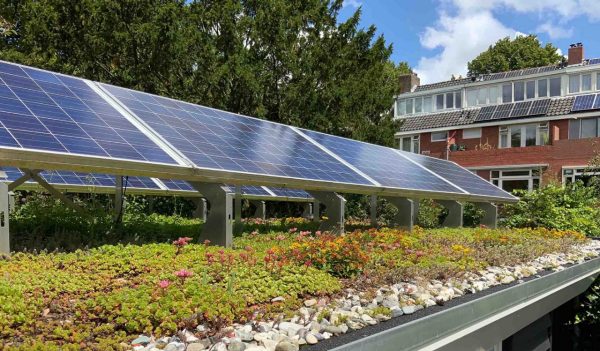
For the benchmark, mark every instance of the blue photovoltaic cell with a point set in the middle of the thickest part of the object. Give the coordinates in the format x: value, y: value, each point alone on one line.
x: 463, y: 178
x: 221, y: 140
x: 583, y: 102
x: 176, y: 184
x: 82, y: 179
x: 254, y: 190
x: 45, y: 111
x: 382, y: 164
x: 286, y: 192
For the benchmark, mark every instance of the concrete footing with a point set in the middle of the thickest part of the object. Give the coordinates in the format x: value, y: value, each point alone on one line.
x: 4, y: 219
x: 260, y: 208
x: 455, y: 213
x: 373, y: 210
x: 407, y: 211
x: 201, y: 208
x: 218, y: 227
x: 490, y: 217
x: 307, y: 210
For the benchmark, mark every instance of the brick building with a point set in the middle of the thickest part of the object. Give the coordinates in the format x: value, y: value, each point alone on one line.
x: 516, y: 129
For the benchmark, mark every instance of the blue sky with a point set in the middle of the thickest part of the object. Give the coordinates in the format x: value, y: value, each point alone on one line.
x: 438, y: 37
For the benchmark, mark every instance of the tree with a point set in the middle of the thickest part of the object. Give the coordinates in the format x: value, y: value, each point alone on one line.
x: 511, y: 54
x: 290, y: 61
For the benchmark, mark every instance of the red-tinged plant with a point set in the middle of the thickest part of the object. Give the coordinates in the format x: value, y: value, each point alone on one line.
x: 183, y: 274
x: 180, y: 243
x: 164, y: 284
x: 293, y: 230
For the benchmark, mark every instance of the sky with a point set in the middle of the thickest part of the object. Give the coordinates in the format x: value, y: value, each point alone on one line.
x: 438, y: 37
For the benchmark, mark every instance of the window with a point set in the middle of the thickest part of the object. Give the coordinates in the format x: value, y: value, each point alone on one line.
x: 410, y: 143
x: 583, y: 174
x: 418, y: 105
x: 439, y: 102
x: 482, y: 96
x: 574, y: 83
x: 449, y: 100
x: 427, y: 104
x: 472, y: 97
x: 586, y: 82
x: 555, y: 88
x: 524, y: 135
x: 598, y: 81
x: 458, y: 99
x: 584, y: 128
x: 542, y: 87
x: 409, y: 106
x: 494, y: 95
x: 507, y: 93
x: 521, y: 179
x: 471, y: 133
x: 530, y: 90
x: 401, y: 107
x: 439, y: 136
x: 519, y: 91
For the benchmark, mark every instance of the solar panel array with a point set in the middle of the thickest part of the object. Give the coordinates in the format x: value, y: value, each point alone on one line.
x: 586, y: 102
x: 513, y: 110
x: 41, y: 110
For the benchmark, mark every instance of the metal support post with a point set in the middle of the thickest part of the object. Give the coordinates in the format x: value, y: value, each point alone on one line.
x: 238, y: 226
x: 11, y: 201
x: 307, y: 210
x: 455, y: 213
x: 373, y: 211
x: 335, y: 205
x: 261, y: 208
x: 4, y: 220
x: 218, y: 225
x: 407, y: 211
x: 118, y: 207
x: 316, y: 210
x: 201, y: 208
x: 490, y: 217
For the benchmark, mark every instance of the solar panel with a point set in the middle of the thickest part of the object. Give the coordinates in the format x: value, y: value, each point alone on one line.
x: 547, y: 69
x: 214, y: 139
x: 500, y: 75
x: 465, y: 179
x: 539, y: 107
x: 503, y: 111
x: 528, y: 71
x: 286, y: 192
x: 596, y: 102
x: 41, y: 110
x: 513, y: 74
x: 594, y: 61
x: 520, y: 109
x: 177, y: 184
x: 485, y: 113
x: 382, y: 164
x: 82, y: 179
x: 583, y: 102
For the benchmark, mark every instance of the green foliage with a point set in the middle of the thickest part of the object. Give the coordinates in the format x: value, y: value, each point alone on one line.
x: 572, y: 207
x: 511, y: 54
x: 429, y: 214
x: 294, y: 62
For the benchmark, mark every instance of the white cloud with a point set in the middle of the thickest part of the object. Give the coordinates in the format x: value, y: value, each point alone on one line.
x: 465, y: 28
x: 554, y: 31
x: 353, y: 3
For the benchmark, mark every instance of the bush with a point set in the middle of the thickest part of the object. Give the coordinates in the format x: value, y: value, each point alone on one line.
x: 572, y: 207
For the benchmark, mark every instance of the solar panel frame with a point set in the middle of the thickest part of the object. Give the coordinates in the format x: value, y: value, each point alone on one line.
x: 583, y: 102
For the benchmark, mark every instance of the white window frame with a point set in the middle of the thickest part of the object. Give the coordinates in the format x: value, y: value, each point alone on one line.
x: 438, y: 140
x: 504, y: 175
x: 579, y: 76
x: 476, y: 133
x: 572, y: 172
x: 507, y: 131
x: 413, y: 138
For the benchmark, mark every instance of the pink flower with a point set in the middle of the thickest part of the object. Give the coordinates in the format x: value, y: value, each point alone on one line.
x: 182, y: 241
x: 293, y: 230
x: 163, y: 284
x: 183, y: 273
x: 206, y: 242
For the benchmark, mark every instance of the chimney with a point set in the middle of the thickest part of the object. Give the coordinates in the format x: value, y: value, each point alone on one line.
x: 408, y: 82
x: 575, y: 54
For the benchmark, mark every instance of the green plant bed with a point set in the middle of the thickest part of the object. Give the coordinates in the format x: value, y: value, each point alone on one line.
x: 101, y: 297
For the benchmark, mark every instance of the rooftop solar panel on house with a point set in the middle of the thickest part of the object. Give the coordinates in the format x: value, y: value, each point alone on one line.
x: 382, y: 164
x: 497, y: 76
x: 40, y: 110
x: 583, y: 102
x: 520, y: 109
x: 222, y: 140
x: 539, y: 107
x: 594, y: 61
x: 512, y: 74
x: 503, y: 111
x: 596, y: 102
x: 463, y: 178
x: 485, y: 113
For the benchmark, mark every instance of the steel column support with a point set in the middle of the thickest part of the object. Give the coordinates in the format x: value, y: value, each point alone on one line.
x: 261, y: 208
x: 335, y: 205
x: 218, y: 226
x: 407, y: 211
x: 316, y: 210
x: 490, y: 217
x: 455, y: 213
x: 237, y: 207
x: 201, y: 208
x: 373, y: 203
x: 307, y: 210
x: 4, y: 220
x: 118, y: 207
